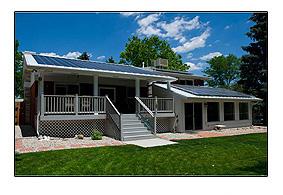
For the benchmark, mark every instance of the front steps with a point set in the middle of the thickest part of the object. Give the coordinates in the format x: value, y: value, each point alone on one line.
x: 134, y: 129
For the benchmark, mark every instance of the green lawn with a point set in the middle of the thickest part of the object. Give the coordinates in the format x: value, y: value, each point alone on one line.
x: 234, y: 155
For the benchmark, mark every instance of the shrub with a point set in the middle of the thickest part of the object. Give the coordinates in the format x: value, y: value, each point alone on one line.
x: 96, y: 135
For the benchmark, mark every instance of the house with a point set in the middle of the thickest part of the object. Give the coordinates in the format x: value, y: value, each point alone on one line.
x: 65, y: 97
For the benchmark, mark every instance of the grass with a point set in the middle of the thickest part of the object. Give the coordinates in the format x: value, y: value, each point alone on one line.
x: 233, y: 155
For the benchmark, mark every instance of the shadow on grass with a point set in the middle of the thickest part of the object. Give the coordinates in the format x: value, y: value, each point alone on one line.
x: 260, y: 168
x: 18, y: 157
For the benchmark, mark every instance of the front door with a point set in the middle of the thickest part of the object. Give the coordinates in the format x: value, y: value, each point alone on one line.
x: 193, y: 116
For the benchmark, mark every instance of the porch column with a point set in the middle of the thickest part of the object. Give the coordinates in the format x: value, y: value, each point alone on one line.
x: 95, y: 93
x: 137, y: 87
x: 40, y: 97
x: 169, y: 85
x: 95, y: 85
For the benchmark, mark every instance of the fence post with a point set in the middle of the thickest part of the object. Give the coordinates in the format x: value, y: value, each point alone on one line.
x: 77, y: 104
x: 121, y: 126
x: 42, y: 104
x: 155, y: 113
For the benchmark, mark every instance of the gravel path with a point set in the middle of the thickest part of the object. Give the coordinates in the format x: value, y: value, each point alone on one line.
x: 212, y: 133
x: 33, y: 144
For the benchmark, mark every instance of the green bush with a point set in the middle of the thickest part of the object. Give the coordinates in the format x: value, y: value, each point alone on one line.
x: 96, y: 135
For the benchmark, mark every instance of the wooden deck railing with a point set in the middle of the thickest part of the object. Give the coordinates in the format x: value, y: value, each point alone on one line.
x: 163, y: 104
x: 72, y: 104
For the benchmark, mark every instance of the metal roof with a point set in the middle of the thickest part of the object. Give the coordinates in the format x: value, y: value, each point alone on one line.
x: 204, y: 92
x: 75, y: 64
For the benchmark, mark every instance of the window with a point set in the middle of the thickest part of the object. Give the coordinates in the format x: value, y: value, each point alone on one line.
x: 229, y: 111
x: 212, y: 111
x: 111, y: 92
x: 64, y: 89
x: 244, y: 111
x: 186, y: 82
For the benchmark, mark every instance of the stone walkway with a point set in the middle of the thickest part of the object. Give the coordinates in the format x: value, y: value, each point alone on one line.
x: 32, y: 144
x: 213, y: 133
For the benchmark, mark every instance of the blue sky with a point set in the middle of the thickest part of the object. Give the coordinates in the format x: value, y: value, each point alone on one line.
x: 196, y: 36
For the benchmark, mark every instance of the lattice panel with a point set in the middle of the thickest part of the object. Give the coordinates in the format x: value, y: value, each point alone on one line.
x: 164, y: 124
x: 70, y: 128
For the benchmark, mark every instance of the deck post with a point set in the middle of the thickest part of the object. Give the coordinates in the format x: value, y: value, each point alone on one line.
x: 137, y: 84
x: 95, y: 93
x: 121, y: 127
x: 42, y: 110
x: 77, y: 104
x: 155, y: 113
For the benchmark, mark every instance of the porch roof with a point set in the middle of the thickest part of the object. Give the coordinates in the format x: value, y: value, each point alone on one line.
x: 96, y: 68
x: 203, y: 92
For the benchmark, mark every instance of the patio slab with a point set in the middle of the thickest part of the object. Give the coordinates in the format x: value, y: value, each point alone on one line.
x: 145, y: 143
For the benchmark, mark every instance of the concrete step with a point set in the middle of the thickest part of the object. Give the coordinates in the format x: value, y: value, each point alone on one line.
x: 129, y: 122
x: 134, y: 129
x: 138, y: 137
x: 136, y: 133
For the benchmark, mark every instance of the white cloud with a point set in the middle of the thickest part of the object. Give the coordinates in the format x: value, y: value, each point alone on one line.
x: 210, y: 55
x: 227, y: 27
x: 100, y: 57
x: 53, y: 54
x: 127, y: 14
x: 193, y: 66
x: 148, y: 20
x: 190, y: 55
x: 72, y: 55
x: 195, y: 42
x: 216, y: 41
x: 209, y: 45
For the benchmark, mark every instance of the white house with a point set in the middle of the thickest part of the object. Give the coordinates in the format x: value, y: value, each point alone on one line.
x: 64, y: 97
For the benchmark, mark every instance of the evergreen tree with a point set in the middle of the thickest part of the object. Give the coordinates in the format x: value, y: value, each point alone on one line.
x: 110, y: 60
x: 254, y: 67
x: 147, y: 50
x: 84, y: 56
x: 18, y: 71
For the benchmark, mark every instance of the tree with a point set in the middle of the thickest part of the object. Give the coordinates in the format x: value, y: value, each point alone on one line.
x: 254, y: 67
x: 84, y: 56
x: 146, y: 50
x: 224, y: 71
x: 18, y: 71
x: 110, y: 60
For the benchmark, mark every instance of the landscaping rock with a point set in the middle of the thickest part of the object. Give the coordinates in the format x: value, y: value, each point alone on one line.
x: 65, y: 139
x: 79, y: 136
x: 244, y: 128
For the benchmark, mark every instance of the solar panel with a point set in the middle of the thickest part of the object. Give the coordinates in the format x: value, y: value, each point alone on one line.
x: 63, y: 62
x: 209, y: 91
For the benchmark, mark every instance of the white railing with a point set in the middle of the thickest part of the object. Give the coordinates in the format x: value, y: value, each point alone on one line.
x: 163, y: 104
x: 147, y: 116
x: 72, y: 104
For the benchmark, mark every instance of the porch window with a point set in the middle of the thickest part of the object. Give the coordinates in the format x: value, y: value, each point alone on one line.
x: 186, y: 82
x: 229, y: 111
x: 66, y: 89
x: 244, y: 111
x: 110, y: 91
x: 212, y: 111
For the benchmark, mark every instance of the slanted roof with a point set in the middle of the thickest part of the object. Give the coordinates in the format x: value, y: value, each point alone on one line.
x: 204, y: 92
x: 48, y: 62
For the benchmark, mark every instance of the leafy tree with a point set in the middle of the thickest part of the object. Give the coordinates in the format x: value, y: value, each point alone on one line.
x: 84, y: 56
x: 111, y: 60
x: 224, y: 71
x: 254, y: 67
x: 146, y: 50
x: 18, y: 71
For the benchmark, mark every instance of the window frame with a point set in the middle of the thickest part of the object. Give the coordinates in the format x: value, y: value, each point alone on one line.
x: 217, y: 112
x: 234, y: 111
x: 109, y: 88
x: 248, y: 111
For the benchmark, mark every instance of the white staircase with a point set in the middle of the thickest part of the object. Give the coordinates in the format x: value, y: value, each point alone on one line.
x: 134, y: 129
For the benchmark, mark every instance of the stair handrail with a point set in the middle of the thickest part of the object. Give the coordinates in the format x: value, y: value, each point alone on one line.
x: 110, y: 102
x: 144, y: 106
x: 143, y: 119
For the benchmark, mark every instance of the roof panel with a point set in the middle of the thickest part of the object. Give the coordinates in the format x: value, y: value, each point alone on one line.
x: 209, y: 91
x: 64, y: 62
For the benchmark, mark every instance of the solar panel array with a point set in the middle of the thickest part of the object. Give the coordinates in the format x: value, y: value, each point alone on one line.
x: 63, y: 62
x: 209, y: 91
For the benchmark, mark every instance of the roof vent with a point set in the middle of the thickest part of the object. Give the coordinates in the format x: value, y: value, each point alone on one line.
x: 160, y: 63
